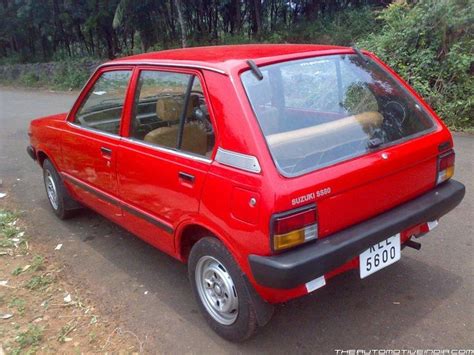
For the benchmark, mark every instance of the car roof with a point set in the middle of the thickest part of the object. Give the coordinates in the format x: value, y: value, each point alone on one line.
x: 222, y: 58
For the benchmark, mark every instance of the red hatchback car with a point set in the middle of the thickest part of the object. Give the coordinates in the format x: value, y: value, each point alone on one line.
x: 268, y: 169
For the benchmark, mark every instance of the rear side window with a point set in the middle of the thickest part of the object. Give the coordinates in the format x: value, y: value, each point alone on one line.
x: 319, y: 111
x: 170, y: 111
x: 102, y: 108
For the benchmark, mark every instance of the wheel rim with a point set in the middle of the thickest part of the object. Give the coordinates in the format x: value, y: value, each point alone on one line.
x: 51, y: 189
x: 217, y: 290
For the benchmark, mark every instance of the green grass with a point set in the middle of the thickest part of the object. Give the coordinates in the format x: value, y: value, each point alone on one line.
x: 19, y: 304
x: 39, y: 283
x: 31, y: 337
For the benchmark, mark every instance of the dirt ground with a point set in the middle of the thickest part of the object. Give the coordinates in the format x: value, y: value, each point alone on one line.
x: 41, y: 307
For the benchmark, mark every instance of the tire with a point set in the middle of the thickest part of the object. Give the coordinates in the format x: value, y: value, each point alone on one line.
x: 209, y: 258
x: 61, y: 202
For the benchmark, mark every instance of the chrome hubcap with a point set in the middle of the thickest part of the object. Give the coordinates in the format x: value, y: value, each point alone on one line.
x: 217, y: 290
x: 51, y: 189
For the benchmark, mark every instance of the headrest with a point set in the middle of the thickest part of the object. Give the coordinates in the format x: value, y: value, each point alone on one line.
x: 168, y: 108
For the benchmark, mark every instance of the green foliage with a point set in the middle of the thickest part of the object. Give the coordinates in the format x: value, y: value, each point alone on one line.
x: 9, y: 232
x: 64, y: 331
x: 31, y: 337
x: 71, y: 75
x: 19, y: 304
x: 17, y: 271
x: 37, y: 263
x: 430, y: 44
x: 62, y: 75
x: 39, y: 283
x: 342, y: 28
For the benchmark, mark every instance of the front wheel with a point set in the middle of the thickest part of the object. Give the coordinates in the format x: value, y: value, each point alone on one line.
x: 220, y: 290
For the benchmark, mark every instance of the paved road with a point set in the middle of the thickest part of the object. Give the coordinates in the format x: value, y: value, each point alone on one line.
x: 424, y: 301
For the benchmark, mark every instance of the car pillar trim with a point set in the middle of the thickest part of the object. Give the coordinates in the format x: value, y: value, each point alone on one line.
x: 167, y: 228
x: 179, y: 153
x: 163, y: 64
x: 238, y: 160
x: 96, y: 131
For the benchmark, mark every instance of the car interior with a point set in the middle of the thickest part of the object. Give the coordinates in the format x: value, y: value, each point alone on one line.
x: 157, y: 121
x: 156, y: 117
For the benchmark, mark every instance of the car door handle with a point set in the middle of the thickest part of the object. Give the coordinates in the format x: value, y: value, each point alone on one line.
x: 106, y: 152
x: 186, y: 177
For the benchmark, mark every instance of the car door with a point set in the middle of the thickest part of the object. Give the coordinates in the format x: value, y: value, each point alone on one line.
x: 91, y: 138
x: 165, y: 153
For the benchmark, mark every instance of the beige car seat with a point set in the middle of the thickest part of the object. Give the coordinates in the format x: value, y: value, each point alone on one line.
x: 325, y: 136
x: 168, y: 109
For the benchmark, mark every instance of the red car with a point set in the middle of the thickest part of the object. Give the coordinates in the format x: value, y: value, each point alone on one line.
x: 268, y: 169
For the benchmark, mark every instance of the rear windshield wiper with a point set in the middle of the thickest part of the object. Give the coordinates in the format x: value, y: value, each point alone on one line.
x: 255, y: 69
x: 360, y: 54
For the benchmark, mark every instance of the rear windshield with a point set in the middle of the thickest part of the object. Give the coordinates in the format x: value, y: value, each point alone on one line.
x: 319, y: 111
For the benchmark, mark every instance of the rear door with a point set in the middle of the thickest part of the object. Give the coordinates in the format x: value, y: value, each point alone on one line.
x: 91, y: 138
x: 165, y: 154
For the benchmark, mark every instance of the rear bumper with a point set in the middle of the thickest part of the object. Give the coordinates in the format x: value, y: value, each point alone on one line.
x: 31, y: 152
x: 296, y: 267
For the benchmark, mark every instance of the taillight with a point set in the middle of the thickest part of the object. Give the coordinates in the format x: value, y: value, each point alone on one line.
x: 445, y: 166
x: 294, y: 228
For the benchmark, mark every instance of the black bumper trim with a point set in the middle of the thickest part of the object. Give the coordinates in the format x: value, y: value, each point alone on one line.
x: 31, y: 152
x: 296, y: 267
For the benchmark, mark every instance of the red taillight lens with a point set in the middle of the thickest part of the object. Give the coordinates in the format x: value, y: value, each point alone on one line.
x: 294, y: 228
x: 295, y: 221
x: 445, y: 166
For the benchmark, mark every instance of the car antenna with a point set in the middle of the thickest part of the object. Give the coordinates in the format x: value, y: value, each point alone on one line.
x: 360, y: 54
x: 255, y: 69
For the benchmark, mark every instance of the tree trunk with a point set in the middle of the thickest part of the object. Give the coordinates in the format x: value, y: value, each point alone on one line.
x: 181, y: 22
x: 256, y: 12
x: 236, y: 17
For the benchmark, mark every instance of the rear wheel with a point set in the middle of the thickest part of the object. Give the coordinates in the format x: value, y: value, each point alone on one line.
x: 61, y: 202
x: 220, y: 290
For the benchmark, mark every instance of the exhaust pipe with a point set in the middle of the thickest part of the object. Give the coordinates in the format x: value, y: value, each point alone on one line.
x: 412, y: 244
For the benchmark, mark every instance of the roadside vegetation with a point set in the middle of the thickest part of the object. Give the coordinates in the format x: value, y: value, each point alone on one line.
x: 429, y: 42
x: 39, y: 310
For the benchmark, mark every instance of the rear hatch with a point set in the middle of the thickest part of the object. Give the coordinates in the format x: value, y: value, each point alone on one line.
x: 346, y: 134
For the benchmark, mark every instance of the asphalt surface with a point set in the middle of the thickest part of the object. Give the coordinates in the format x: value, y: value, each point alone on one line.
x: 424, y: 301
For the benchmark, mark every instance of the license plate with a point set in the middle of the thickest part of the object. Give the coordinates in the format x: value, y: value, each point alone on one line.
x: 379, y: 256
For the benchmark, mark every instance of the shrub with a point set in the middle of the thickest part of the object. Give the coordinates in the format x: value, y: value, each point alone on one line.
x: 430, y: 45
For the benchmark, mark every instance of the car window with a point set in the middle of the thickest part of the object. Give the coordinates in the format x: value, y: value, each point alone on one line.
x: 312, y: 79
x: 102, y: 108
x: 170, y: 111
x: 316, y: 112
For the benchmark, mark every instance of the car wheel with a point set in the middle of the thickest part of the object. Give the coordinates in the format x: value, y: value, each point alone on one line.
x: 61, y: 202
x: 220, y: 290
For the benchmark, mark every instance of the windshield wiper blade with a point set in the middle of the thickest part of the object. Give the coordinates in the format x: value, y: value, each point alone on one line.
x: 360, y: 54
x: 255, y: 69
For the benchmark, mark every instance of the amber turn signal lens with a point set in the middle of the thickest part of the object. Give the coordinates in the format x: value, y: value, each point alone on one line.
x: 288, y: 240
x: 294, y: 238
x: 445, y: 167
